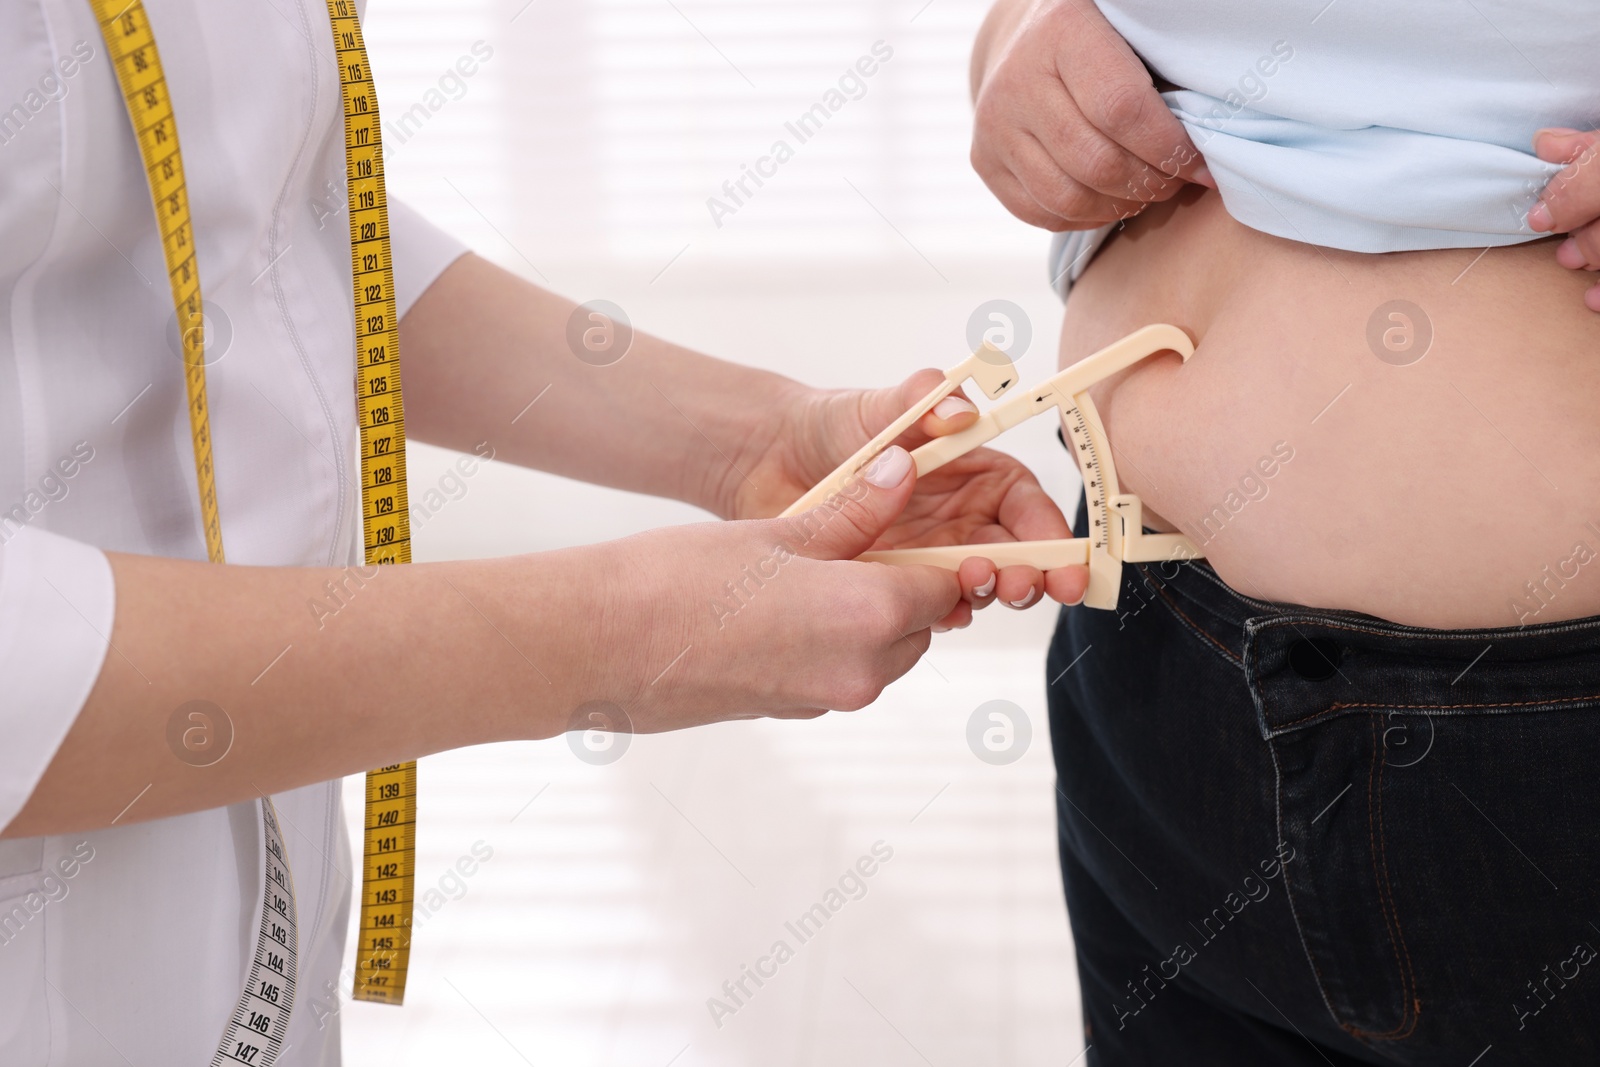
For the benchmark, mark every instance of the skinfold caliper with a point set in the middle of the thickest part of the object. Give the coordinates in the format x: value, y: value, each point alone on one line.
x: 1116, y: 531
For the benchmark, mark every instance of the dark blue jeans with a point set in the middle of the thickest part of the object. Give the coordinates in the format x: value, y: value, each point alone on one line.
x: 1293, y: 836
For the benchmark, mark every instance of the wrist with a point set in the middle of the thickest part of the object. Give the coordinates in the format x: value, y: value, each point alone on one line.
x: 702, y: 431
x: 1006, y: 23
x: 534, y: 621
x: 994, y: 39
x: 630, y: 612
x: 752, y: 414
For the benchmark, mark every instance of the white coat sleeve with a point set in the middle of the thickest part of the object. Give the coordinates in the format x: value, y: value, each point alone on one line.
x: 57, y: 601
x: 421, y: 252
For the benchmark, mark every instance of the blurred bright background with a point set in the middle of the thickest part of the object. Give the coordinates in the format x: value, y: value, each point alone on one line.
x: 619, y: 897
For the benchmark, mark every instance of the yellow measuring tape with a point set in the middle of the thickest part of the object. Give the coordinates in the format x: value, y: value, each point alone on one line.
x: 133, y: 51
x: 389, y: 839
x: 388, y: 853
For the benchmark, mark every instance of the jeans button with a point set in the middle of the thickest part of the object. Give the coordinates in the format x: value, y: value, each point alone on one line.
x: 1314, y: 659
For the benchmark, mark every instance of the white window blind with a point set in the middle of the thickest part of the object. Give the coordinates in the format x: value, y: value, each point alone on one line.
x: 599, y: 130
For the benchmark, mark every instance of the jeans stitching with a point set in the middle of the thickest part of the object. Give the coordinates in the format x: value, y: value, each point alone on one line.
x: 1344, y: 619
x: 1160, y: 591
x: 1337, y: 708
x: 1413, y: 1003
x: 1408, y: 1016
x: 1391, y: 917
x: 1396, y: 938
x: 1288, y: 892
x: 1508, y: 633
x: 1209, y: 573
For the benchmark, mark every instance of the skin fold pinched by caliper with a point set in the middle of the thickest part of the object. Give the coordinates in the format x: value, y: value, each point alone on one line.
x: 1116, y: 532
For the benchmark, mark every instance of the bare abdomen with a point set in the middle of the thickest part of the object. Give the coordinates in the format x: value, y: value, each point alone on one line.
x: 1413, y: 435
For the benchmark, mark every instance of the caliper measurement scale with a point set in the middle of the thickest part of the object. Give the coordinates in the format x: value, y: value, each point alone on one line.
x: 255, y: 1031
x: 1116, y: 530
x: 388, y: 852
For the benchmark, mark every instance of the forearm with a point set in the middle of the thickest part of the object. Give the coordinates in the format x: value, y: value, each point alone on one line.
x: 319, y: 673
x: 405, y: 661
x: 482, y: 344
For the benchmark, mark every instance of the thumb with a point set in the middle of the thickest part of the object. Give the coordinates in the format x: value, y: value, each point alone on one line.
x: 851, y: 521
x: 1197, y: 172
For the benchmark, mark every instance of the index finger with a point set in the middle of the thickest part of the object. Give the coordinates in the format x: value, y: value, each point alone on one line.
x: 1027, y: 513
x: 1031, y: 513
x: 953, y: 414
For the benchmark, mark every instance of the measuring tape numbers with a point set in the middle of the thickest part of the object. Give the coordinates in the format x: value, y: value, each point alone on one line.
x: 132, y: 48
x: 255, y: 1031
x: 388, y: 852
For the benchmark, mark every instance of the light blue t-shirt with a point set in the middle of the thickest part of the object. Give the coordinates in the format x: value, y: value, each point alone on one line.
x: 1369, y: 125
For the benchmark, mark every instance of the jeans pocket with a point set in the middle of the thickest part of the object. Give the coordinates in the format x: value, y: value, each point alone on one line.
x: 1430, y: 785
x: 1338, y: 876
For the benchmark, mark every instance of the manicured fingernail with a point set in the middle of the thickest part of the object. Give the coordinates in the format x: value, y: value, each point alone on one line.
x: 890, y: 468
x: 1201, y: 175
x: 1569, y: 255
x: 986, y: 588
x: 1540, y: 219
x: 1556, y: 131
x: 1033, y: 594
x: 939, y: 628
x: 951, y: 406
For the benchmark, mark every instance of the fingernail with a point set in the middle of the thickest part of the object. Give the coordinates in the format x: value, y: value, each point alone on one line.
x: 1025, y: 601
x: 1556, y: 131
x: 951, y: 406
x: 986, y: 588
x: 890, y: 468
x: 1591, y: 299
x: 1201, y: 175
x: 1569, y: 255
x: 1539, y: 218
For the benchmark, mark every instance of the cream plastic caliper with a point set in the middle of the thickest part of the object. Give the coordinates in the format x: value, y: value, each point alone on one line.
x: 1116, y: 530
